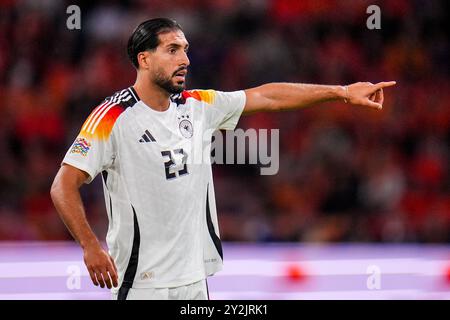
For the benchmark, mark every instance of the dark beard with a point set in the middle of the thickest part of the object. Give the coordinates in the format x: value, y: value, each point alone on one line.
x: 167, y: 84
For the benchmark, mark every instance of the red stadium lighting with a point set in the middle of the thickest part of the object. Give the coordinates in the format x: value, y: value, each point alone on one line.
x: 295, y: 273
x: 447, y: 274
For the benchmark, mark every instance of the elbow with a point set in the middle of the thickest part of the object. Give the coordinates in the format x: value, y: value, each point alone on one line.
x: 54, y: 189
x: 65, y: 183
x: 273, y: 106
x: 270, y: 105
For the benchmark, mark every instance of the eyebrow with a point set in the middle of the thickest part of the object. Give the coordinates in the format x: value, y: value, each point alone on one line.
x: 176, y: 45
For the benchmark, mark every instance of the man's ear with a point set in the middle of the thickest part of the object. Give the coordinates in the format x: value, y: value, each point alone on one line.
x: 143, y: 59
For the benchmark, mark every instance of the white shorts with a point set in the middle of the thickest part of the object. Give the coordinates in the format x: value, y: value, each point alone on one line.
x: 194, y: 291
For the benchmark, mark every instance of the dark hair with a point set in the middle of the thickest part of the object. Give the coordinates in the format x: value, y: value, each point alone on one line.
x: 145, y: 36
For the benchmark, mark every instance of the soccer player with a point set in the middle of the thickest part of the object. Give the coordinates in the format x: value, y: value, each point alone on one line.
x: 163, y: 236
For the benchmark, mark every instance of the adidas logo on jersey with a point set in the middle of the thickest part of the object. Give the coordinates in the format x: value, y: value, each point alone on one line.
x: 147, y: 137
x: 146, y: 275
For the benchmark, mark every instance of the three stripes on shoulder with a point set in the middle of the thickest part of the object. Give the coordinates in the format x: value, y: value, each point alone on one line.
x: 121, y: 99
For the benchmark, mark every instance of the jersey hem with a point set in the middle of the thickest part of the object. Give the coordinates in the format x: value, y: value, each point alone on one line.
x: 138, y: 284
x: 170, y: 284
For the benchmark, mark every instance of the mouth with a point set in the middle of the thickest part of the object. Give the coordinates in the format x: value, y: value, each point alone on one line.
x: 180, y: 75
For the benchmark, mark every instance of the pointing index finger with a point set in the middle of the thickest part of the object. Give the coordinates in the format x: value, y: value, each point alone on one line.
x: 385, y: 84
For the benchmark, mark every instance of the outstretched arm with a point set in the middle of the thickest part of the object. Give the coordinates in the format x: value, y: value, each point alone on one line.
x: 288, y: 96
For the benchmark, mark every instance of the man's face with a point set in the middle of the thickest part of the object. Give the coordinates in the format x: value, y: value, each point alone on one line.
x: 169, y: 62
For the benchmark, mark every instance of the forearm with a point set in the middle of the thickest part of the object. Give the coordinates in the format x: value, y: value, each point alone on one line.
x: 288, y: 96
x: 68, y: 203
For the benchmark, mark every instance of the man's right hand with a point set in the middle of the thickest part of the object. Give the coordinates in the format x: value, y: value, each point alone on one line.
x: 101, y: 266
x: 367, y: 94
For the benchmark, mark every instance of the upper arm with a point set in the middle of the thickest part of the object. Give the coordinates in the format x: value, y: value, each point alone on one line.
x: 69, y: 176
x: 256, y: 101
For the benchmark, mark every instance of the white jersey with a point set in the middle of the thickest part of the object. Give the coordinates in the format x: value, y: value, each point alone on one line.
x: 163, y: 229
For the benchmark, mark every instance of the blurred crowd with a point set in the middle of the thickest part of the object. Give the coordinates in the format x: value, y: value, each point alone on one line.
x: 346, y: 173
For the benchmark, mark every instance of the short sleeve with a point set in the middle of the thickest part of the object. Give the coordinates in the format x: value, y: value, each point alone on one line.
x: 93, y: 149
x: 222, y: 109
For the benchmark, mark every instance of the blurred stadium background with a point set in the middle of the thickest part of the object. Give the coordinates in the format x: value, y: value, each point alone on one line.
x: 362, y: 184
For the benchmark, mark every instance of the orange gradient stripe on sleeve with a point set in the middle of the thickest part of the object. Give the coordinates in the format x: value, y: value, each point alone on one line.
x: 100, y: 122
x: 200, y: 95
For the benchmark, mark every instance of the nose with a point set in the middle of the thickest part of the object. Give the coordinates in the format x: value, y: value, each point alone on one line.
x: 185, y: 60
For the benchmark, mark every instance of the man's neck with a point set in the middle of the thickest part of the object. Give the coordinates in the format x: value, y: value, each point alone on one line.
x: 152, y: 95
